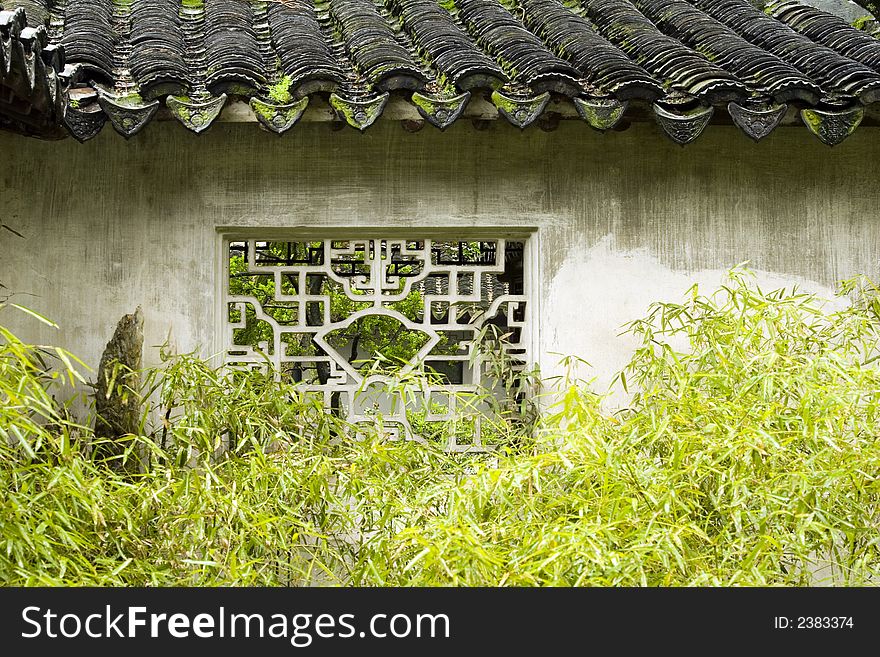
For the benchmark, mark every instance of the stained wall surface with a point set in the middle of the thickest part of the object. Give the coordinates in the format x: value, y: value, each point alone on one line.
x: 621, y: 219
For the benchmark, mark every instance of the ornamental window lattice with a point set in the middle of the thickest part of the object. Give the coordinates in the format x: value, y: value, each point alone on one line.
x: 346, y: 317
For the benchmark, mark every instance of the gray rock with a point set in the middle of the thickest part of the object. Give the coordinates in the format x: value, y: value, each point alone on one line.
x: 117, y: 404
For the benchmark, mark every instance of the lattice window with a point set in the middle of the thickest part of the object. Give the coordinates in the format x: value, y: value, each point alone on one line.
x: 341, y: 316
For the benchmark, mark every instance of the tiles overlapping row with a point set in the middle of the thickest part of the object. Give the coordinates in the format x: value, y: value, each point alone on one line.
x: 522, y: 55
x: 829, y: 30
x: 305, y: 55
x: 663, y: 56
x: 374, y: 48
x: 232, y: 52
x: 441, y: 42
x: 89, y: 38
x: 831, y: 70
x: 114, y: 59
x: 760, y: 70
x: 602, y: 66
x: 158, y: 48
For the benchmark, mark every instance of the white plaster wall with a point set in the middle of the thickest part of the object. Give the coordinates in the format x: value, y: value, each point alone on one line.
x: 622, y: 285
x: 623, y: 219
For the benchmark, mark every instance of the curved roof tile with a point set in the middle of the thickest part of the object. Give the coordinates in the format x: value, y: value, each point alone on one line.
x: 74, y: 65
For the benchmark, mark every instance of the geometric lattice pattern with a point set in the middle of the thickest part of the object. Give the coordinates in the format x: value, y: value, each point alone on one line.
x: 340, y: 317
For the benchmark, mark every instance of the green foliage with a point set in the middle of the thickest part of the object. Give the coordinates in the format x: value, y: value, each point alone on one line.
x: 862, y: 22
x: 871, y: 5
x: 280, y: 91
x: 748, y: 455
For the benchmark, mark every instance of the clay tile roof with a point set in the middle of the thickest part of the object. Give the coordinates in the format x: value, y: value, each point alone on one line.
x: 71, y: 66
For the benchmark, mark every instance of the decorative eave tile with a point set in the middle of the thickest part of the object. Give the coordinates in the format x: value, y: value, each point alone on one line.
x: 683, y: 126
x: 440, y: 111
x: 128, y: 114
x: 833, y: 127
x: 757, y: 120
x: 601, y: 113
x: 521, y: 111
x: 359, y: 113
x: 278, y: 117
x: 196, y: 115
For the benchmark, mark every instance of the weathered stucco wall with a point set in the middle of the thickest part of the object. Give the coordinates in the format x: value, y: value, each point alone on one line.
x: 623, y: 218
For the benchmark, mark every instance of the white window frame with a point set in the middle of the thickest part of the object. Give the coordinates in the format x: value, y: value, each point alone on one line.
x: 531, y: 273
